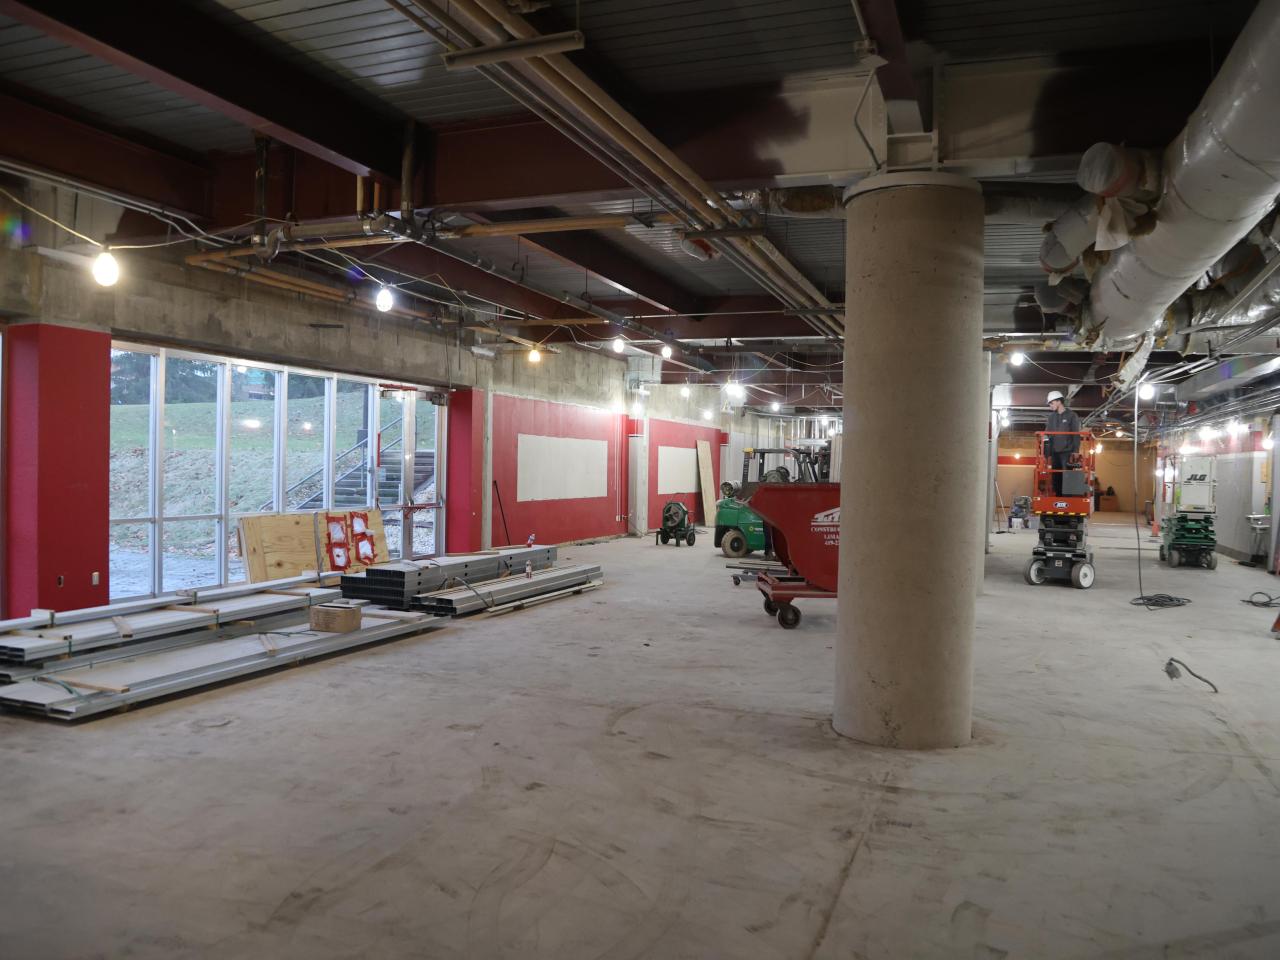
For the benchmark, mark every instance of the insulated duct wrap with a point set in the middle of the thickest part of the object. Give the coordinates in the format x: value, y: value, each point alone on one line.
x: 1221, y: 176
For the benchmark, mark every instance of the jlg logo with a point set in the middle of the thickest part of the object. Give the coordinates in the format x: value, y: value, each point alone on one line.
x: 1198, y: 478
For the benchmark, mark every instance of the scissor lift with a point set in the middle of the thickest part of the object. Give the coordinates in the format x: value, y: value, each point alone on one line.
x: 1063, y: 551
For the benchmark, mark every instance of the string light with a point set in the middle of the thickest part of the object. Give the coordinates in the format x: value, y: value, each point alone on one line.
x: 706, y: 414
x: 735, y: 390
x: 384, y: 301
x: 1267, y: 442
x: 685, y: 392
x: 1018, y: 359
x: 775, y: 407
x: 535, y: 355
x: 619, y: 344
x: 105, y: 269
x: 666, y: 352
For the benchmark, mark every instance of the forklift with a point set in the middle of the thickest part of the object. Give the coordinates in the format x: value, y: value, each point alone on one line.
x: 739, y: 529
x: 1063, y: 552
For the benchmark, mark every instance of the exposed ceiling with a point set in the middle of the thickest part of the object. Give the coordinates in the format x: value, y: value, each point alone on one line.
x: 675, y: 63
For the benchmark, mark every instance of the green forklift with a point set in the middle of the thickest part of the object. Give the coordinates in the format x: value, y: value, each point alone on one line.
x: 739, y: 529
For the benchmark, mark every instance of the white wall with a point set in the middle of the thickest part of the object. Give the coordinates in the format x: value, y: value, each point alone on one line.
x: 1240, y: 492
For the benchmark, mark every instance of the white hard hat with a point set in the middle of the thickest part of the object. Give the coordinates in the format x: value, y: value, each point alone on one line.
x: 1054, y: 395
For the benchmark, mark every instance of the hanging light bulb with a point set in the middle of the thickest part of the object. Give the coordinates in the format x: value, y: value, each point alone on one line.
x: 1234, y: 427
x: 666, y: 352
x: 1207, y: 433
x: 105, y: 269
x: 1187, y: 449
x: 706, y: 414
x: 1147, y: 391
x: 685, y: 392
x: 619, y: 344
x: 775, y: 407
x: 384, y: 301
x: 1017, y: 359
x: 1004, y: 418
x: 735, y: 390
x: 535, y: 355
x: 1267, y: 442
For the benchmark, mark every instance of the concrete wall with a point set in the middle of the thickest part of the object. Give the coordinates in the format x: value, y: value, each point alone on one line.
x: 157, y: 301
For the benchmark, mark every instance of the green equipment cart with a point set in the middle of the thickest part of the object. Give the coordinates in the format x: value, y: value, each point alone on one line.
x: 739, y: 529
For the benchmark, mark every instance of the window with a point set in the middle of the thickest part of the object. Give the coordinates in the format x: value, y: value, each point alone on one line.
x: 197, y: 442
x: 130, y: 553
x: 352, y: 459
x: 305, y: 442
x: 252, y: 439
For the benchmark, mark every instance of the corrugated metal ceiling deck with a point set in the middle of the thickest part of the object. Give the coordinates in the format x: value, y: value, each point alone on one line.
x: 976, y: 29
x: 30, y: 59
x: 655, y: 47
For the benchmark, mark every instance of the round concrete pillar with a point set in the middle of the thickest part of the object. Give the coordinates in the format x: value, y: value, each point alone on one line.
x: 913, y: 468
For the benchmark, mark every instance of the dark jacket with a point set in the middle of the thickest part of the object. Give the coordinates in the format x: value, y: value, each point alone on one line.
x: 1066, y: 421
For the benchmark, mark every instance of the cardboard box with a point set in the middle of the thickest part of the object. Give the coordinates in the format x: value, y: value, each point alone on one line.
x: 335, y: 617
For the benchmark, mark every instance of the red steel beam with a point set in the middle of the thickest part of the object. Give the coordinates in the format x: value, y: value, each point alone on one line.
x: 38, y: 138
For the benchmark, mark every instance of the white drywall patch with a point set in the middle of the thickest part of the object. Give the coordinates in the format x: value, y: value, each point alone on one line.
x: 561, y: 468
x: 677, y: 470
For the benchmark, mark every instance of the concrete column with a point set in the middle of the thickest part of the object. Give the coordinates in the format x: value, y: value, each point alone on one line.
x: 909, y: 541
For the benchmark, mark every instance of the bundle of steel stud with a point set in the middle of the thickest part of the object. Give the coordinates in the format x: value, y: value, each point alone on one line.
x: 396, y: 584
x: 468, y: 597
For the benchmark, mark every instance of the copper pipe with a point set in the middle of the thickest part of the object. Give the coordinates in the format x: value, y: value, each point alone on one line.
x: 513, y: 228
x: 231, y: 253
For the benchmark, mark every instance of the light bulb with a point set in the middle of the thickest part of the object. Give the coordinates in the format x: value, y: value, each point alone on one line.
x: 666, y: 352
x: 775, y: 407
x: 1146, y: 391
x: 706, y: 414
x: 1208, y: 433
x: 685, y: 392
x: 824, y: 420
x: 1187, y: 448
x: 1097, y: 448
x: 1004, y: 419
x: 619, y: 344
x: 535, y: 355
x: 1018, y: 359
x: 1234, y: 427
x: 384, y: 301
x: 105, y: 269
x: 1267, y: 442
x: 735, y: 390
x: 1120, y: 434
x: 1017, y: 456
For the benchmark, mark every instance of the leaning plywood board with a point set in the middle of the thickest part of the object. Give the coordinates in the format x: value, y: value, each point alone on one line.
x: 277, y: 545
x: 707, y: 482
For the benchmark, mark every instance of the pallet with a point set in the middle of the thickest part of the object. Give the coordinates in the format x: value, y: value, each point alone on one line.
x: 276, y: 545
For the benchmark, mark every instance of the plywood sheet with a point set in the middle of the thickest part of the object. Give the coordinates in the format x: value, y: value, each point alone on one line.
x: 677, y: 470
x: 706, y: 482
x: 560, y: 468
x: 278, y: 545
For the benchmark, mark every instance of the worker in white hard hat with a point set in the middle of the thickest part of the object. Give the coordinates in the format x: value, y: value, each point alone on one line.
x: 1059, y: 447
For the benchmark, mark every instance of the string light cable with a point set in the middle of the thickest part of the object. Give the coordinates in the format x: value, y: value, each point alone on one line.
x: 1151, y: 601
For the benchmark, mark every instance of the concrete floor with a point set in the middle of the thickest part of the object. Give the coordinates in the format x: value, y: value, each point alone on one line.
x: 649, y: 771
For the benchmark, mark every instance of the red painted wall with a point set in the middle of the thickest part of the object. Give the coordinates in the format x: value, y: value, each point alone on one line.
x: 57, y: 384
x: 464, y: 471
x: 668, y: 433
x: 555, y: 521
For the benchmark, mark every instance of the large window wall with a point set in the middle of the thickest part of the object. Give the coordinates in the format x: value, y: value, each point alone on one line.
x: 199, y: 441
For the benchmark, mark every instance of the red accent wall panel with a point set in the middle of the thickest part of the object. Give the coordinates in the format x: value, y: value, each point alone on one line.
x: 58, y: 433
x: 669, y: 433
x: 555, y: 521
x: 464, y: 471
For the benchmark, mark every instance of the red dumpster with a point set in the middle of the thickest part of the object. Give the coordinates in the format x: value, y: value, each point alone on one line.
x: 803, y: 524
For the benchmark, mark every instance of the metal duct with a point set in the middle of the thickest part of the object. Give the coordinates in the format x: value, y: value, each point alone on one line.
x: 1221, y: 176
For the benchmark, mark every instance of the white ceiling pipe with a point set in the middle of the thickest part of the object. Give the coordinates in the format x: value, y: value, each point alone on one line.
x: 1221, y: 175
